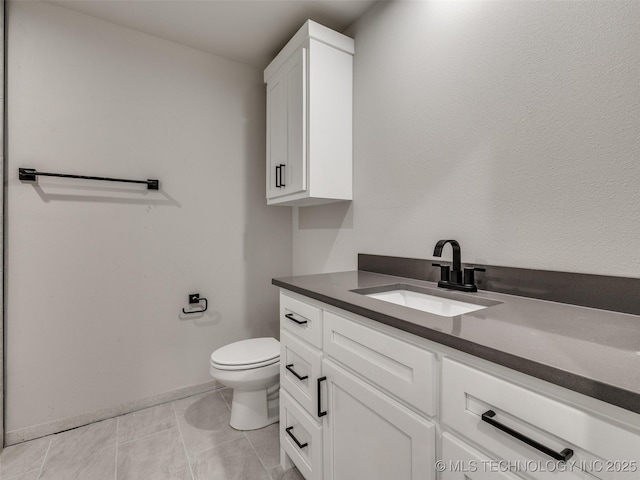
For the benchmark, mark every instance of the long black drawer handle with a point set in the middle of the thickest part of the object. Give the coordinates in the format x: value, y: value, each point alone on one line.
x: 290, y: 368
x: 300, y: 445
x: 563, y: 456
x: 320, y: 412
x: 278, y: 177
x: 299, y: 322
x: 282, y: 165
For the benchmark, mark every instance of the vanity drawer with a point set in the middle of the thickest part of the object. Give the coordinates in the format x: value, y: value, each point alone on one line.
x: 301, y: 319
x: 604, y: 449
x: 300, y: 367
x: 403, y: 370
x: 461, y: 462
x: 301, y: 438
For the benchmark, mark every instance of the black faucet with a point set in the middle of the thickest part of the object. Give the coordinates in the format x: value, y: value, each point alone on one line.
x: 453, y: 279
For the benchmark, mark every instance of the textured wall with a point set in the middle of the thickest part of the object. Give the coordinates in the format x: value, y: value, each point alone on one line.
x: 513, y: 127
x: 98, y: 273
x: 2, y: 102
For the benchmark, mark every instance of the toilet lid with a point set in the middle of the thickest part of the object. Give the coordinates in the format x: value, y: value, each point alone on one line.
x: 247, y: 352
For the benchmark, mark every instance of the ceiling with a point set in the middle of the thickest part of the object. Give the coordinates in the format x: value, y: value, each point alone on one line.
x: 248, y: 31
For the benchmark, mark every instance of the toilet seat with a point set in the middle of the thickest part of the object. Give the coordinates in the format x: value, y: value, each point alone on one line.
x: 247, y: 354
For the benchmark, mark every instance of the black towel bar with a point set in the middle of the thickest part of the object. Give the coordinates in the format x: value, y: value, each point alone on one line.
x: 30, y: 174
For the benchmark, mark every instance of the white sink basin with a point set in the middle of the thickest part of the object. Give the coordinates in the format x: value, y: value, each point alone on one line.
x: 445, y: 307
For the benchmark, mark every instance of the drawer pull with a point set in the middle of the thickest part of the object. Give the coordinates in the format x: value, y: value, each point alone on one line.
x: 298, y: 376
x: 300, y: 445
x: 563, y: 456
x: 320, y: 412
x: 299, y: 322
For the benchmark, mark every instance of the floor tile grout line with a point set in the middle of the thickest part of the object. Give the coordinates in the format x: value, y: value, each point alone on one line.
x: 246, y: 437
x: 199, y: 452
x: 44, y: 459
x: 224, y: 399
x: 256, y: 453
x: 20, y: 475
x: 218, y: 444
x: 117, y: 446
x: 146, y: 436
x: 184, y: 446
x: 118, y: 442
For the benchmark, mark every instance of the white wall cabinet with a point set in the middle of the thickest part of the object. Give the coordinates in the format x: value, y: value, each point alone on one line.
x: 402, y: 407
x: 309, y: 119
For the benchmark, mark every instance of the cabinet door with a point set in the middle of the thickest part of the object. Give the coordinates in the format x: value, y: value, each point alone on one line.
x: 276, y: 133
x: 287, y: 128
x: 369, y: 436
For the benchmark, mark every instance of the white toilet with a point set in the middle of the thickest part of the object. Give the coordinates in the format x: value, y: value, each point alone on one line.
x: 252, y: 368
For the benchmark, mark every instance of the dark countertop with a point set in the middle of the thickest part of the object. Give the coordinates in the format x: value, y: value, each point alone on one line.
x: 590, y: 351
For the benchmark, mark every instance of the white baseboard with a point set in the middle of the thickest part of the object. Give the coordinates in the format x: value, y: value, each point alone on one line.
x: 43, y: 429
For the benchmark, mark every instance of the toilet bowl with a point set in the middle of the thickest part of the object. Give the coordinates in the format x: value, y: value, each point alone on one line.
x: 252, y: 368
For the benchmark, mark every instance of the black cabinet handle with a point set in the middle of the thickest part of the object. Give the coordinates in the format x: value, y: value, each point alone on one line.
x: 278, y: 176
x: 282, y: 165
x: 300, y: 445
x: 290, y: 368
x: 320, y: 412
x: 563, y: 456
x: 299, y: 322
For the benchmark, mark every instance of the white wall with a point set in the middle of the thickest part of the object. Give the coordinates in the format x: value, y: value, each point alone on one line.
x: 2, y: 102
x: 513, y: 127
x: 98, y: 272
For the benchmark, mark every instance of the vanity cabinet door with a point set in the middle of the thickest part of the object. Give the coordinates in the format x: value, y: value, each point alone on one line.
x: 368, y: 435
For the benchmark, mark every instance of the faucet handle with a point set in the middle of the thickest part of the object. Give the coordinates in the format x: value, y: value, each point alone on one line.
x: 469, y: 277
x: 444, y: 271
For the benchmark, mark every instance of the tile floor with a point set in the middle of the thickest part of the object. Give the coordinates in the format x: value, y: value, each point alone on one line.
x: 189, y: 439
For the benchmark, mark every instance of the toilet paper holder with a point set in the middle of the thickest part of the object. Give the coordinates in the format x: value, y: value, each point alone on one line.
x: 193, y: 299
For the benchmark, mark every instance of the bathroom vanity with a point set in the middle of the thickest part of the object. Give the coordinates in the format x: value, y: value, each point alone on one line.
x: 517, y: 389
